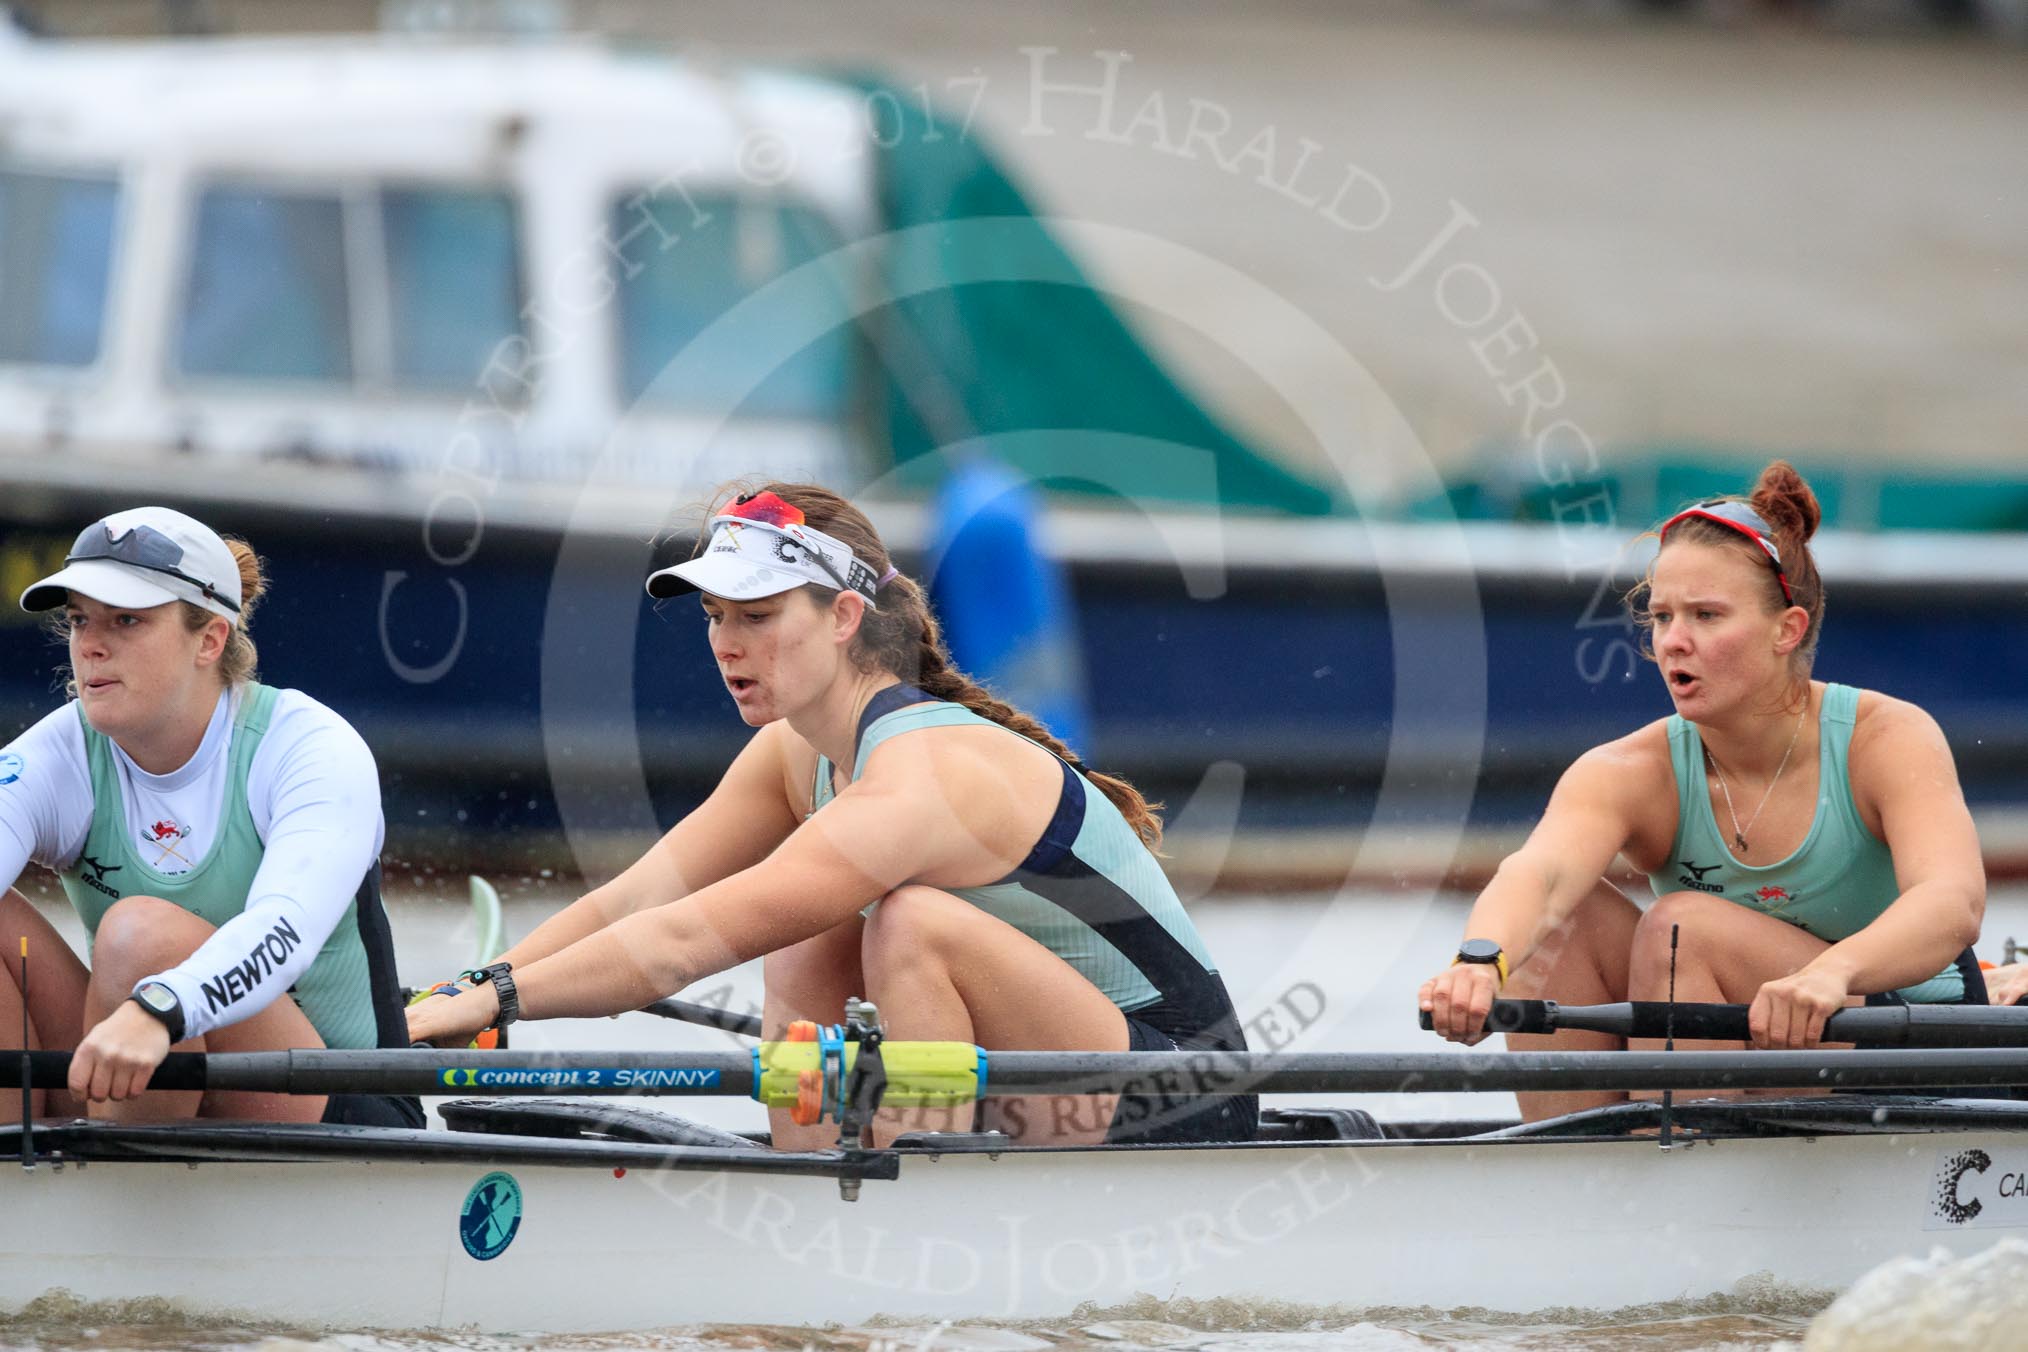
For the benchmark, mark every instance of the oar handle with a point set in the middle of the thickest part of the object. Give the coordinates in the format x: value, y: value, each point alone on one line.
x: 1522, y: 1016
x: 179, y: 1070
x: 1513, y: 1016
x: 1640, y: 1018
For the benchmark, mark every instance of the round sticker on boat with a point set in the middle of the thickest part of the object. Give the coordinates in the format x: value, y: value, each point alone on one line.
x: 491, y: 1216
x: 11, y: 767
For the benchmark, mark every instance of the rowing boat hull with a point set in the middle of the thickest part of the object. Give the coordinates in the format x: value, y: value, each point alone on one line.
x: 1513, y: 1225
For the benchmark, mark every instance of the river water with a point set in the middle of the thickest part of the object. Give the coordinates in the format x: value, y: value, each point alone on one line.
x: 1313, y: 972
x: 1747, y: 1319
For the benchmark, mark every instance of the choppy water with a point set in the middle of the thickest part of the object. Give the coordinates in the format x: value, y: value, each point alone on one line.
x: 1751, y: 1318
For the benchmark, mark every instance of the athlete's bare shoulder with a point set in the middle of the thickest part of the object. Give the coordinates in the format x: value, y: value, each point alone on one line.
x: 1641, y: 755
x: 1894, y: 740
x: 1631, y: 781
x: 1882, y: 715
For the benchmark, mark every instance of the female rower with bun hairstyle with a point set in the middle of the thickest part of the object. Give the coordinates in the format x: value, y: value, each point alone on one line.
x: 219, y: 838
x: 891, y: 831
x: 1810, y: 839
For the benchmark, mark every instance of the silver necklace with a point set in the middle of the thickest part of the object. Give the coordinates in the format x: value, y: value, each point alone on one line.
x: 1738, y: 831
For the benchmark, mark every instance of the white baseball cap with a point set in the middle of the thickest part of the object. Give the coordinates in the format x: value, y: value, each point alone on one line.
x: 760, y: 547
x: 141, y: 558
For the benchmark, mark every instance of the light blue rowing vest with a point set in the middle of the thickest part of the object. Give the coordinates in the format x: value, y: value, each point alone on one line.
x: 1839, y: 879
x: 1090, y: 891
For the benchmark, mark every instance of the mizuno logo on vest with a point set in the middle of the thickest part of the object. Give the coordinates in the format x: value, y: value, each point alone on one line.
x: 261, y: 961
x: 96, y: 879
x: 1697, y: 882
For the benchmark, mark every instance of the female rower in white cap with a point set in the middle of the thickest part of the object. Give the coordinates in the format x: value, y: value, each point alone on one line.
x: 1809, y: 839
x: 219, y: 838
x: 892, y: 831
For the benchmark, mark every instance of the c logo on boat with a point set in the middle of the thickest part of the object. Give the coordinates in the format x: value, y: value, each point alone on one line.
x: 491, y: 1217
x: 1949, y: 1206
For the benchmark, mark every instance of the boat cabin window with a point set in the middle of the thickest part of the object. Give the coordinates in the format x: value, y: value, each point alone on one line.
x: 56, y: 248
x: 454, y: 283
x: 268, y: 296
x: 705, y: 255
x: 404, y: 288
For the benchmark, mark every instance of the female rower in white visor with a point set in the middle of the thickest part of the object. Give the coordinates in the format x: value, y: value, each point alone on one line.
x: 219, y: 838
x: 895, y: 832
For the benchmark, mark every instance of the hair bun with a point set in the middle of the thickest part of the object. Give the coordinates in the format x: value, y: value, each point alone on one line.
x: 1785, y: 502
x: 252, y: 574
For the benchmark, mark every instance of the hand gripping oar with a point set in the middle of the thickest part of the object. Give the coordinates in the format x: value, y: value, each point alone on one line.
x: 946, y: 1073
x: 1882, y: 1025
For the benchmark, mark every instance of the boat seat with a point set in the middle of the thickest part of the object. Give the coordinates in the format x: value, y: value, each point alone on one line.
x: 579, y: 1119
x: 1319, y: 1124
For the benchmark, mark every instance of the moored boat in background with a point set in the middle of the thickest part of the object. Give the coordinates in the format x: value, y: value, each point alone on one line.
x: 443, y: 326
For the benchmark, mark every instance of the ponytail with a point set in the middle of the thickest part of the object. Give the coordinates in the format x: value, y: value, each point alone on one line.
x: 240, y: 662
x: 935, y: 675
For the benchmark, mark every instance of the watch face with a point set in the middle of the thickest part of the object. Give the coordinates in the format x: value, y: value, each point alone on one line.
x: 1478, y: 950
x: 157, y: 997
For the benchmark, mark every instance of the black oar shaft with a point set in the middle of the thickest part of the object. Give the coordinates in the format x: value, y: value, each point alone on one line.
x: 1365, y: 1073
x: 1883, y: 1026
x: 515, y: 1073
x: 708, y: 1016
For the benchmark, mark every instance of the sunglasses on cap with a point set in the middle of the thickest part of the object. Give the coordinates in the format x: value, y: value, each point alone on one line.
x: 141, y: 547
x: 769, y: 509
x: 1742, y: 518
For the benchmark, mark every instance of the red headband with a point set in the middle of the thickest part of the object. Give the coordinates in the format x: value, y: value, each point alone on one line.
x: 1742, y: 518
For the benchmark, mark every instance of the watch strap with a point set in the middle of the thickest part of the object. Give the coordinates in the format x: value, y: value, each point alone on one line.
x: 501, y: 974
x: 170, y: 1018
x: 1498, y: 962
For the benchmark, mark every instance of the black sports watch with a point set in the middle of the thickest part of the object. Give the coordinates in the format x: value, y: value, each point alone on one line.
x: 501, y: 975
x: 161, y: 1002
x: 1483, y: 951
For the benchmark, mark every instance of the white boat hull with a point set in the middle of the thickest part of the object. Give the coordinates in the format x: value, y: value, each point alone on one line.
x: 1514, y: 1226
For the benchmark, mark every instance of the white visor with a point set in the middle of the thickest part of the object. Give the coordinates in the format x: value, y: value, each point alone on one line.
x: 747, y: 560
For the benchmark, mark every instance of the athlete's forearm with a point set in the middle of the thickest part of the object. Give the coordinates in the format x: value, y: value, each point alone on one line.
x: 574, y: 924
x: 656, y: 879
x: 1516, y: 908
x: 1913, y: 940
x: 632, y: 962
x: 659, y: 950
x: 249, y: 962
x: 321, y: 838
